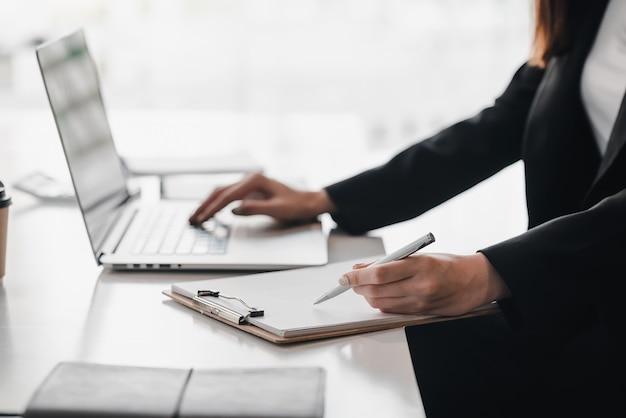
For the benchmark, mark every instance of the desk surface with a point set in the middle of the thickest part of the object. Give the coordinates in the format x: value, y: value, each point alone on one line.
x: 56, y: 304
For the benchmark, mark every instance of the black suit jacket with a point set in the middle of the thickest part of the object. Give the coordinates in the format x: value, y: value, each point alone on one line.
x: 566, y: 273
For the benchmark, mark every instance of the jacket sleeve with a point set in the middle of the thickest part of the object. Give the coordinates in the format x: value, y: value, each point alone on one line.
x: 440, y: 167
x: 568, y: 271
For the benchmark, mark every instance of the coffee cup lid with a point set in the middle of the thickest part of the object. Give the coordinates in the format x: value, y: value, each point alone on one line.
x: 4, y: 199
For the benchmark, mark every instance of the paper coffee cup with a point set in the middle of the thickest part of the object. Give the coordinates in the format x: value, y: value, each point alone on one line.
x: 5, y: 201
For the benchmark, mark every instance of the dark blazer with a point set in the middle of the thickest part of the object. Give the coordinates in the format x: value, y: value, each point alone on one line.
x: 566, y: 273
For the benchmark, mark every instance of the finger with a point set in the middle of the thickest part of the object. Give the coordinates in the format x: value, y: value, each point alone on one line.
x: 380, y: 274
x: 223, y: 196
x: 198, y: 213
x: 399, y: 288
x: 255, y: 207
x: 400, y: 305
x: 360, y: 265
x: 413, y: 304
x: 274, y: 207
x: 344, y: 279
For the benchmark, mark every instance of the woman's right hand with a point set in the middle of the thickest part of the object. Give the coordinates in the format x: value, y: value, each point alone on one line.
x: 260, y: 195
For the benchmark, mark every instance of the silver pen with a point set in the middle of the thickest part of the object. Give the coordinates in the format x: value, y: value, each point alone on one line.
x: 403, y: 252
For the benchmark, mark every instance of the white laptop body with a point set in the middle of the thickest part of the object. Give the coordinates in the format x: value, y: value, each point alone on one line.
x: 120, y: 225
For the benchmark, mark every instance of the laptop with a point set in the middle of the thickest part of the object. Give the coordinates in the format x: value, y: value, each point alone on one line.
x: 127, y: 232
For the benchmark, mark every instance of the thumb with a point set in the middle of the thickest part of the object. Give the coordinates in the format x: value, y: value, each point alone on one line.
x: 253, y: 207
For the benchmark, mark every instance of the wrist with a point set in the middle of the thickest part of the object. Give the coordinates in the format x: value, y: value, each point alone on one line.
x: 321, y: 203
x: 496, y: 288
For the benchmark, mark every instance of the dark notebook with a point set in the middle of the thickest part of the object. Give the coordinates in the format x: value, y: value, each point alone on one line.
x: 97, y: 390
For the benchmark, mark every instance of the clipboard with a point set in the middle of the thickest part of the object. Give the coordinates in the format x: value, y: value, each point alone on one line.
x: 286, y: 299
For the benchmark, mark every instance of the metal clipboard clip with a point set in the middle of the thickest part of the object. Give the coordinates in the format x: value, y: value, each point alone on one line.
x: 225, y: 312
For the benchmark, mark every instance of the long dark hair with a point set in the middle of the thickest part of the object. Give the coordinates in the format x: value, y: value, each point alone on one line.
x: 554, y: 24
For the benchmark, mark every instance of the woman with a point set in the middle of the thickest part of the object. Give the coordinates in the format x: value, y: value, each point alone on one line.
x: 560, y: 338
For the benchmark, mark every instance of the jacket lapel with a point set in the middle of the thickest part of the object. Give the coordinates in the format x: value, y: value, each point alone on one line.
x: 605, y: 181
x: 616, y: 141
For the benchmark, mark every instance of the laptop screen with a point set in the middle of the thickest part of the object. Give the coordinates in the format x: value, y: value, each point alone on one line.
x: 72, y: 84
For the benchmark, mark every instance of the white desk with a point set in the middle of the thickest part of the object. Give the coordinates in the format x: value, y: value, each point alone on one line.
x: 56, y: 304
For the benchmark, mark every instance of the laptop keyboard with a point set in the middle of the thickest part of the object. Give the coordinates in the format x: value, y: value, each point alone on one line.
x: 168, y: 232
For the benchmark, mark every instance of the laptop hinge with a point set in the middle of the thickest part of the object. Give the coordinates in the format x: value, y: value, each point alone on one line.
x: 115, y: 236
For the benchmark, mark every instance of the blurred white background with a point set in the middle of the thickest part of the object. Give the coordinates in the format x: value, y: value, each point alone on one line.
x: 402, y: 67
